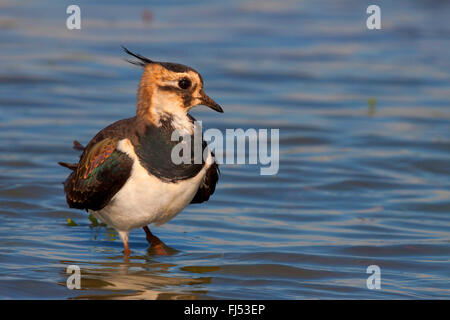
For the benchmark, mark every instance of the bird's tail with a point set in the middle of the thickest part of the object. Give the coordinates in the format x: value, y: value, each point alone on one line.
x: 77, y: 146
x: 71, y: 166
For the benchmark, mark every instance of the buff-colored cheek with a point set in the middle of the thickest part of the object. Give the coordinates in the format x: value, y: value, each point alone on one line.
x: 197, y: 91
x: 197, y: 102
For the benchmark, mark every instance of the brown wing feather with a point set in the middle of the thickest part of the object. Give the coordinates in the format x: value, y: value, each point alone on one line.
x: 101, y: 173
x: 77, y: 146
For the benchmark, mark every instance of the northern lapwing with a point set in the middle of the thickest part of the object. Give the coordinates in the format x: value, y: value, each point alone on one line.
x: 126, y: 177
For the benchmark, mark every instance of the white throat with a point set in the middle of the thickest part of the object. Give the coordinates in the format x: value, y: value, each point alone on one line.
x: 163, y: 108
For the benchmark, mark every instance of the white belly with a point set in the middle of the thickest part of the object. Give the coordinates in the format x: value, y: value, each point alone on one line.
x: 144, y: 199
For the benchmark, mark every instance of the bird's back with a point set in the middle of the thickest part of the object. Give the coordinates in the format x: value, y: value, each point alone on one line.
x: 103, y: 168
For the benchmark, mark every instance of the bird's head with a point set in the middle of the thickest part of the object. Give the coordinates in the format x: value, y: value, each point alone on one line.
x: 170, y: 88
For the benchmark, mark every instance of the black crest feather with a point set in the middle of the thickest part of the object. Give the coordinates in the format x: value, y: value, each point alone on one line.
x: 143, y: 60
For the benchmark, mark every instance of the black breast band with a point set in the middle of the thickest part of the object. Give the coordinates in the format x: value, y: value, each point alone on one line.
x: 154, y: 150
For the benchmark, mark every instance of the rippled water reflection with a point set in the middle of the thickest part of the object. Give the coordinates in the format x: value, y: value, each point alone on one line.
x: 364, y: 142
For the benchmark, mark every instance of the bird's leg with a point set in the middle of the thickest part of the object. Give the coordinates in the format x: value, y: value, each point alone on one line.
x: 126, y: 247
x: 155, y: 242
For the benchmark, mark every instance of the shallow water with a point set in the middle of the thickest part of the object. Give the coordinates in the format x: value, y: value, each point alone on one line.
x: 364, y: 149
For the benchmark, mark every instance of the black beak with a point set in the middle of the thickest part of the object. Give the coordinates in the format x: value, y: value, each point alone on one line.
x: 207, y: 101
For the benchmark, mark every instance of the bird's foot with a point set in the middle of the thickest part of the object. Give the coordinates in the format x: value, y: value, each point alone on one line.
x: 159, y: 249
x: 155, y: 243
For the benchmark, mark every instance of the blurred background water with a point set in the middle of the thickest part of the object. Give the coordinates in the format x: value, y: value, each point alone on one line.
x: 364, y: 148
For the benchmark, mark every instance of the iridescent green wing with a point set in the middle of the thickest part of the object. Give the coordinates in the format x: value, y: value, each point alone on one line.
x: 101, y: 173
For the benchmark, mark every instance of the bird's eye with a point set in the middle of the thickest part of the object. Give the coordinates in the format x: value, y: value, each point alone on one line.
x: 184, y: 83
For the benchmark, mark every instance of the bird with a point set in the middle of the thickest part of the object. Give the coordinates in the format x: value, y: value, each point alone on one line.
x: 125, y: 176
